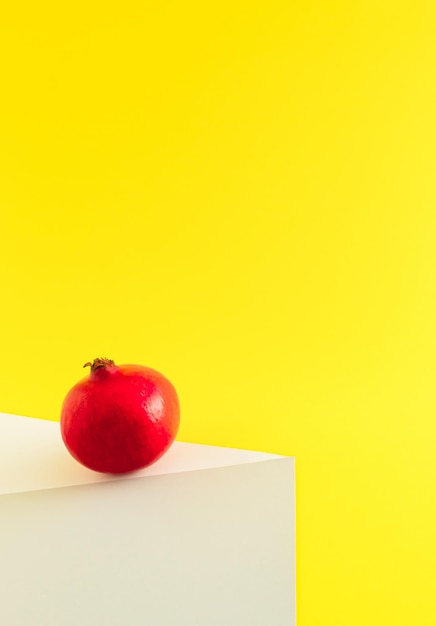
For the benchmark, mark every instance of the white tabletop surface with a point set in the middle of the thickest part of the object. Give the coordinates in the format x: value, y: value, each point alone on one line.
x: 33, y: 456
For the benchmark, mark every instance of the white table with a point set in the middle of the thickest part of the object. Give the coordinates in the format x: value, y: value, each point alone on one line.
x: 205, y: 536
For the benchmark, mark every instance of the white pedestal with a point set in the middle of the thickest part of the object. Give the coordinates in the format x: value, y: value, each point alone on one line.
x: 204, y: 537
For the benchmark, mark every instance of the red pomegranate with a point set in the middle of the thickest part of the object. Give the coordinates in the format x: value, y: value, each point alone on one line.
x: 120, y: 418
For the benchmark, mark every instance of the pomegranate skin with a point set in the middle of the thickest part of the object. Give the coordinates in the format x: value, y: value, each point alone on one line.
x: 120, y: 418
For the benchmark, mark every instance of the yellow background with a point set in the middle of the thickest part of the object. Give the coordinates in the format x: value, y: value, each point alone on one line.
x: 242, y: 196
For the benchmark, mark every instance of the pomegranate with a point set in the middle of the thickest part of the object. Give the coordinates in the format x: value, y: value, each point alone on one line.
x: 120, y: 418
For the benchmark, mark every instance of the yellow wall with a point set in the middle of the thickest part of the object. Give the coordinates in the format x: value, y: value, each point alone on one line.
x: 242, y: 196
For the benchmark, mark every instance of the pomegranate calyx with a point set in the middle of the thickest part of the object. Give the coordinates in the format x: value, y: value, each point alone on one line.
x: 98, y: 363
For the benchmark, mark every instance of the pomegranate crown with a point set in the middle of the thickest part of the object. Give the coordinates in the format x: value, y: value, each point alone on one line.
x: 100, y: 362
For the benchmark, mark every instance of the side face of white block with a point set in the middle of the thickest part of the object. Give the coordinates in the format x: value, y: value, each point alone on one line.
x: 214, y: 547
